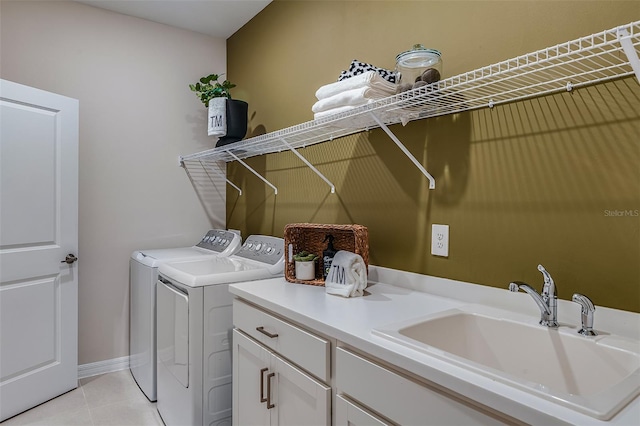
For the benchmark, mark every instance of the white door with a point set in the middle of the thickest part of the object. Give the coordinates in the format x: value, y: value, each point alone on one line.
x: 38, y: 229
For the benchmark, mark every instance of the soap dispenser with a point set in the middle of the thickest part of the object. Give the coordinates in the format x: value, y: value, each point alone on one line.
x: 327, y: 256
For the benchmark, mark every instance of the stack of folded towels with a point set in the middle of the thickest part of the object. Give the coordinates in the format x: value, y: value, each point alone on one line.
x: 352, y: 92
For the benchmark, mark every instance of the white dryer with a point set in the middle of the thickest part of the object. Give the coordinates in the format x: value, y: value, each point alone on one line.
x: 143, y: 275
x: 195, y: 322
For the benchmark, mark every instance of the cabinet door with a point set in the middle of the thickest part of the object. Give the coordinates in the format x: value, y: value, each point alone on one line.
x: 250, y: 371
x: 349, y: 414
x: 299, y: 398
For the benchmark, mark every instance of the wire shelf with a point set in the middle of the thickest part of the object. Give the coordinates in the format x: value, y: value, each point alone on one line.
x: 589, y: 60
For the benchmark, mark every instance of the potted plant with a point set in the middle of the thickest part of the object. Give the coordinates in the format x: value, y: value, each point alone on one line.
x: 305, y: 265
x: 227, y: 118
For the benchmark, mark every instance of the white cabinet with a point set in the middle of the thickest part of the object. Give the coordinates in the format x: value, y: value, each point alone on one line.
x: 401, y: 399
x: 268, y: 389
x: 282, y: 376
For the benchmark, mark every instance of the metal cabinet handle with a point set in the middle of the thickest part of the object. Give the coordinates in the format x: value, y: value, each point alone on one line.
x: 262, y: 398
x: 266, y: 333
x: 269, y: 404
x: 69, y: 259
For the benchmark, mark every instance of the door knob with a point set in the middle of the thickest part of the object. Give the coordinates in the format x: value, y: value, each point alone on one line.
x: 69, y: 259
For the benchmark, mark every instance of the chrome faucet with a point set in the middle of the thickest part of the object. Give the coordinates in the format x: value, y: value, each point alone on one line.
x: 587, y: 310
x: 547, y: 300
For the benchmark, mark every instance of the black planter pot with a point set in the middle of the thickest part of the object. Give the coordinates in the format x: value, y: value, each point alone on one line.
x: 236, y: 122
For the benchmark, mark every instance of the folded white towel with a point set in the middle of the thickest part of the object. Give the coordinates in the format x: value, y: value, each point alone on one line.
x: 353, y: 97
x: 336, y: 110
x: 348, y: 275
x: 368, y: 79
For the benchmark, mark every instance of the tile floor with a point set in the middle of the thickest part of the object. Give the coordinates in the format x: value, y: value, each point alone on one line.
x: 108, y: 399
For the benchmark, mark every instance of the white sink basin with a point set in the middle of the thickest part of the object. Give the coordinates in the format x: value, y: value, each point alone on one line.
x: 594, y: 375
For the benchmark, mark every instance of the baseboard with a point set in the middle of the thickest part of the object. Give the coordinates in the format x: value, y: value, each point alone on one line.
x: 102, y: 367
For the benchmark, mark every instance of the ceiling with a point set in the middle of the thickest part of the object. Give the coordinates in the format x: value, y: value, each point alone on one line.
x: 217, y: 18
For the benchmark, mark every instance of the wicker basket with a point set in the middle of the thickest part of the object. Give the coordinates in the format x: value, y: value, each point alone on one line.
x: 311, y: 237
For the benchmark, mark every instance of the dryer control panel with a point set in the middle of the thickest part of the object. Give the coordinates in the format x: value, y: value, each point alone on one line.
x: 221, y: 241
x: 263, y: 248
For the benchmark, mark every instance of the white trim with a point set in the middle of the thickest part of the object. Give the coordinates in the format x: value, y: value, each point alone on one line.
x: 102, y: 367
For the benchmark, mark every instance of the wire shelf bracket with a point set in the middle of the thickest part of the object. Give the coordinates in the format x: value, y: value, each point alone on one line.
x: 311, y: 166
x: 222, y: 175
x: 394, y: 138
x: 275, y: 190
x: 627, y: 47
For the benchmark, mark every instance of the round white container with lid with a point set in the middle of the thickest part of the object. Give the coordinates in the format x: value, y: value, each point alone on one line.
x: 410, y: 65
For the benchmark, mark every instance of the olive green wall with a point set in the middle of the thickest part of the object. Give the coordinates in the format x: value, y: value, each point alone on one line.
x: 539, y: 181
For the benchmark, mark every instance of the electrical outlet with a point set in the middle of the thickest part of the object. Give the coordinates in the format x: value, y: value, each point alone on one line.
x: 440, y: 240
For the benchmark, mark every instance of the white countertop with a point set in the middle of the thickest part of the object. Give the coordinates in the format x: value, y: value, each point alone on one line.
x: 394, y: 296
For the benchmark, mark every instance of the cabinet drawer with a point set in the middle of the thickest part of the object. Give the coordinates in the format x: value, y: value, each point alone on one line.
x: 399, y: 398
x: 349, y: 414
x: 299, y: 346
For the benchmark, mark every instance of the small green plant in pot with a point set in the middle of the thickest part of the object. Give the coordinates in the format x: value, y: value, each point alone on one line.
x: 305, y: 265
x: 227, y: 117
x: 209, y: 87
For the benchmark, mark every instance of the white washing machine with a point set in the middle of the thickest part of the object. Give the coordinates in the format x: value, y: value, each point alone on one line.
x: 143, y: 275
x: 195, y: 322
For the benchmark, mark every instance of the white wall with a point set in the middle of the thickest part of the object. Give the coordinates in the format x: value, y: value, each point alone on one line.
x: 137, y: 115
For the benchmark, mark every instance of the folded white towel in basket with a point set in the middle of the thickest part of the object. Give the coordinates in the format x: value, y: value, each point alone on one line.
x: 348, y: 275
x: 368, y: 79
x: 353, y: 97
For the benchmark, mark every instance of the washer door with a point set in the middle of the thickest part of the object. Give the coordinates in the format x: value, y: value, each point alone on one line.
x: 173, y: 331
